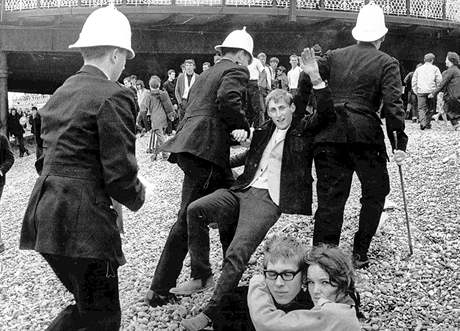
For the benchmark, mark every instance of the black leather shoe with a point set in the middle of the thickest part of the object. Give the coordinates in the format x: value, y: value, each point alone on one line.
x: 360, y: 261
x: 156, y: 300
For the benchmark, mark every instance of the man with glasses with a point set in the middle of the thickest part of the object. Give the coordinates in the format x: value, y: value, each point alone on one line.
x: 277, y: 178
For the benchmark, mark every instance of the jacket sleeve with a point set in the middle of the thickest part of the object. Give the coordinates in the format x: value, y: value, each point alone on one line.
x: 117, y: 144
x: 9, y: 156
x: 145, y: 104
x: 446, y: 77
x: 414, y: 81
x: 437, y: 77
x: 323, y: 114
x: 238, y: 160
x: 266, y: 317
x: 167, y: 104
x: 230, y: 98
x: 392, y: 104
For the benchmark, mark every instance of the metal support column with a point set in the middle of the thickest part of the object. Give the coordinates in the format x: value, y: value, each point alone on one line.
x: 293, y: 11
x: 3, y: 92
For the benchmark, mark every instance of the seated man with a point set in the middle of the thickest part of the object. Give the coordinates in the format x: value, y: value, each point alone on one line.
x: 276, y: 179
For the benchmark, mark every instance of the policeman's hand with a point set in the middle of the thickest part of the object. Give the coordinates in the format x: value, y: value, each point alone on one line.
x: 309, y: 64
x: 430, y: 96
x: 399, y: 156
x: 239, y: 135
x: 175, y: 107
x: 247, y: 142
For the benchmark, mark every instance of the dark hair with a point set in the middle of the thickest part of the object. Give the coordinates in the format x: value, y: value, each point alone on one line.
x: 453, y: 58
x: 34, y: 108
x: 171, y: 71
x: 207, y: 63
x: 139, y: 82
x: 280, y: 246
x: 339, y: 268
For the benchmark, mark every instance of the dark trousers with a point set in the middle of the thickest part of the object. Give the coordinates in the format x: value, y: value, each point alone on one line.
x: 426, y: 108
x: 253, y: 212
x: 200, y: 178
x: 335, y: 165
x: 22, y: 148
x: 94, y: 284
x: 1, y: 191
x: 255, y: 110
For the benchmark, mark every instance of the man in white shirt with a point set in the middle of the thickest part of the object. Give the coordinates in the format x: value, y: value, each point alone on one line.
x: 255, y: 110
x: 425, y: 80
x: 184, y: 83
x: 293, y: 74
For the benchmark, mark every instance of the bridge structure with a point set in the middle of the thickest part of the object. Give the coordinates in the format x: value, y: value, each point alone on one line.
x: 35, y: 34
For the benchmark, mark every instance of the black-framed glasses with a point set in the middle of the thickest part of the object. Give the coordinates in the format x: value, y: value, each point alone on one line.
x: 285, y: 275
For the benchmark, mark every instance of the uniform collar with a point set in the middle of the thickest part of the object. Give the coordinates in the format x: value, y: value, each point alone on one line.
x: 93, y: 70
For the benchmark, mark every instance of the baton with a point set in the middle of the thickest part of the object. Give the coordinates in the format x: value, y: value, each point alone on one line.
x: 404, y: 198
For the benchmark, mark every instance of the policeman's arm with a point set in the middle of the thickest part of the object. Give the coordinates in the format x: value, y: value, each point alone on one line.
x: 117, y: 148
x: 230, y: 98
x: 392, y: 104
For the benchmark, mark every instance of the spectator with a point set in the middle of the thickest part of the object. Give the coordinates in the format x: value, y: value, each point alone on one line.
x: 265, y: 80
x: 17, y: 130
x: 293, y: 74
x: 450, y: 84
x: 330, y: 283
x: 35, y: 123
x: 170, y: 86
x: 425, y: 81
x: 158, y: 107
x: 6, y: 162
x: 255, y: 112
x: 206, y: 66
x: 318, y: 50
x: 184, y: 83
x: 412, y: 110
x: 141, y: 91
x: 274, y: 61
x: 281, y: 80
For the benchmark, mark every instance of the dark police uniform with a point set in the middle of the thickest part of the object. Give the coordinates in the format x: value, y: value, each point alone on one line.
x: 88, y: 131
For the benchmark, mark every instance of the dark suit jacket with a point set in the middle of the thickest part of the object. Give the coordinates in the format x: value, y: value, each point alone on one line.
x: 88, y: 131
x: 213, y: 111
x: 296, y: 180
x: 6, y: 157
x: 361, y: 78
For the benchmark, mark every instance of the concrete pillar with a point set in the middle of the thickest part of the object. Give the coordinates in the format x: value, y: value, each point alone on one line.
x: 3, y: 92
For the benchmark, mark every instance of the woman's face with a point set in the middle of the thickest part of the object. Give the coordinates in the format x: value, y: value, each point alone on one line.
x: 319, y: 285
x: 448, y: 63
x: 284, y: 291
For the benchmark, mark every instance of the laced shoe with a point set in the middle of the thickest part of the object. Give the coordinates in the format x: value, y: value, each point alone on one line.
x: 196, y: 323
x: 193, y: 286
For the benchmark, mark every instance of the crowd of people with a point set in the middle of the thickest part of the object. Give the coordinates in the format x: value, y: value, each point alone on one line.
x: 325, y: 108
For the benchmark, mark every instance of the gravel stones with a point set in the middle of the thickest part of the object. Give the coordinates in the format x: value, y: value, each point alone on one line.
x: 398, y: 293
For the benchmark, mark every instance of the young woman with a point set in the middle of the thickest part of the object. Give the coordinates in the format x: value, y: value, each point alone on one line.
x: 330, y: 283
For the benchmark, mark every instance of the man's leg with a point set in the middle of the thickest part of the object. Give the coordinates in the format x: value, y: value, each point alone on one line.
x: 222, y: 207
x: 201, y: 178
x: 422, y: 110
x: 371, y: 168
x: 257, y: 215
x: 334, y: 175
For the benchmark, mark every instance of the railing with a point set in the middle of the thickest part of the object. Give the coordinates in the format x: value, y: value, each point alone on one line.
x: 432, y: 9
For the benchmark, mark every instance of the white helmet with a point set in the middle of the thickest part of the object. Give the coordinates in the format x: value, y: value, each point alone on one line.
x: 106, y: 27
x: 238, y: 39
x: 370, y: 24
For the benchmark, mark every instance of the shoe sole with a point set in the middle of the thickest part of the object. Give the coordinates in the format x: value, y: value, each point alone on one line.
x: 188, y: 293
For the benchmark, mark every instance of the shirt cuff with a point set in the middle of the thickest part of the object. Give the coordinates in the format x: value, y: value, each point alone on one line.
x: 319, y: 86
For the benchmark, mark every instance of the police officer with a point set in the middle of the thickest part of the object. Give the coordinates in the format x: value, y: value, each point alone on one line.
x: 361, y: 78
x: 88, y: 131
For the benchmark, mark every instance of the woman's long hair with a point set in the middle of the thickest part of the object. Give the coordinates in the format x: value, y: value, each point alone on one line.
x: 340, y: 270
x: 453, y: 58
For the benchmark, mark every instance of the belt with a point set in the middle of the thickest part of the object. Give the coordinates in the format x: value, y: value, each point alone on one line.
x: 64, y: 170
